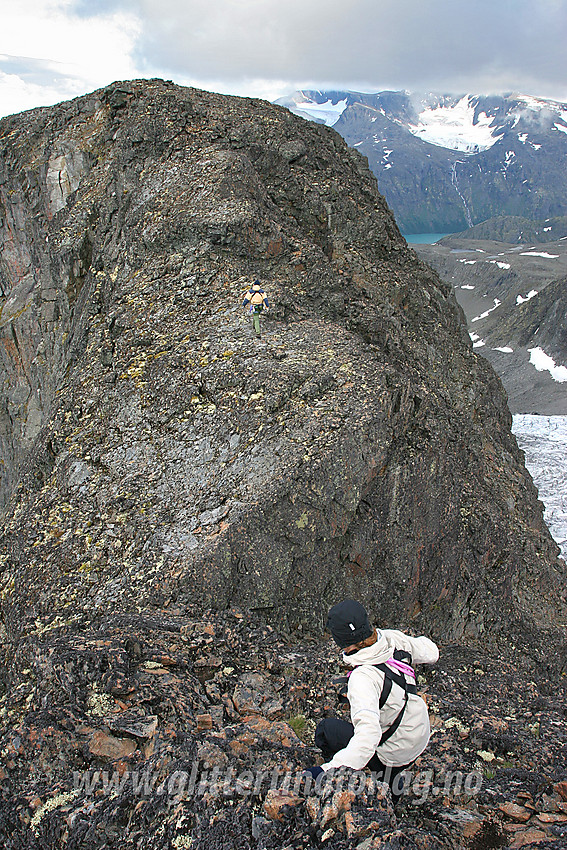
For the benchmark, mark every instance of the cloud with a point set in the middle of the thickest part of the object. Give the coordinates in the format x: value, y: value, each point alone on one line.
x: 26, y: 83
x: 489, y: 45
x: 268, y: 47
x: 49, y: 53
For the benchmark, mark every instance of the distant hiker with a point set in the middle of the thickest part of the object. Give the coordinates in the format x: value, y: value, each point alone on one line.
x: 257, y: 299
x: 391, y: 721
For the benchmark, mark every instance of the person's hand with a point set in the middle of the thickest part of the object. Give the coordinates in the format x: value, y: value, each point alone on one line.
x: 313, y: 772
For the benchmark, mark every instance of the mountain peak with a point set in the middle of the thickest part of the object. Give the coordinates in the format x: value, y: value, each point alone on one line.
x: 147, y: 213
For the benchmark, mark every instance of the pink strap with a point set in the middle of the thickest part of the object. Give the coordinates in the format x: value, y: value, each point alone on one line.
x: 401, y: 667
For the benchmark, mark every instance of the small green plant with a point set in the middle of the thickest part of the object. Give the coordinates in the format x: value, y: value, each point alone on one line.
x: 303, y: 728
x: 298, y: 723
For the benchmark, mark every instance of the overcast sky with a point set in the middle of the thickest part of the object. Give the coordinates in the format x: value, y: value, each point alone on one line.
x: 52, y: 50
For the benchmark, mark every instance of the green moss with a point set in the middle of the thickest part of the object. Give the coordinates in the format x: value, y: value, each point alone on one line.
x: 303, y: 728
x: 298, y: 723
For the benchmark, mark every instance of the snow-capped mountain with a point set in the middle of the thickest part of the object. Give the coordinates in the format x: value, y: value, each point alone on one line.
x: 447, y: 162
x: 468, y: 123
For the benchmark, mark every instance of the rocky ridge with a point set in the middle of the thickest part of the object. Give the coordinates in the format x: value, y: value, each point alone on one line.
x: 515, y: 229
x: 361, y: 445
x: 159, y: 460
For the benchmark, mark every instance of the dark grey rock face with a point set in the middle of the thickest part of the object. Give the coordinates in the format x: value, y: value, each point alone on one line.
x: 155, y: 451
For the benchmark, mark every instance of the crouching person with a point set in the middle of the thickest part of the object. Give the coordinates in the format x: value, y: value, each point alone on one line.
x: 390, y: 721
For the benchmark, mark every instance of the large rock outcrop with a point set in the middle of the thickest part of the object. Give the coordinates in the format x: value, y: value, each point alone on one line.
x: 154, y: 451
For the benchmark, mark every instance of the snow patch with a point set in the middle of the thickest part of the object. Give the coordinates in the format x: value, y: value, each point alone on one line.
x: 476, y: 340
x: 467, y: 286
x: 499, y: 264
x: 544, y: 363
x: 505, y: 349
x: 468, y: 262
x: 531, y: 294
x: 329, y: 112
x: 454, y: 127
x: 497, y: 303
x: 560, y: 127
x: 539, y: 254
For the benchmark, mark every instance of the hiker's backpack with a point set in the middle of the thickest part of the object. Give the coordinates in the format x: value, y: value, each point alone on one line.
x: 401, y: 661
x: 393, y: 670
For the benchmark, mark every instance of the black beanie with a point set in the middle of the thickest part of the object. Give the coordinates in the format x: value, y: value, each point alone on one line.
x: 348, y: 623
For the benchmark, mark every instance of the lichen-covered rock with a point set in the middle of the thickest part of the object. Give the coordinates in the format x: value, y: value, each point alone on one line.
x: 170, y: 781
x: 160, y: 465
x: 278, y: 803
x: 153, y: 450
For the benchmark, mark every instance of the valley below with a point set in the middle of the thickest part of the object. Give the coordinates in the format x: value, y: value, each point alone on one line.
x: 514, y: 297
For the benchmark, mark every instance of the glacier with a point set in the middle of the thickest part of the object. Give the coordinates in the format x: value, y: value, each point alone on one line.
x: 543, y: 439
x: 455, y: 127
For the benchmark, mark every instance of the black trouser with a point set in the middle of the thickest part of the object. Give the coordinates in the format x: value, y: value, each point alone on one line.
x: 333, y: 734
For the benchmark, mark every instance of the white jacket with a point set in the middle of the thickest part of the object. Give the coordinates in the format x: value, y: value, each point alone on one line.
x: 364, y: 689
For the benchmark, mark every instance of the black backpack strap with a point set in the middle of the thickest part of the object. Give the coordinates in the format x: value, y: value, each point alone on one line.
x: 386, y: 687
x: 389, y: 677
x: 402, y: 655
x: 387, y: 734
